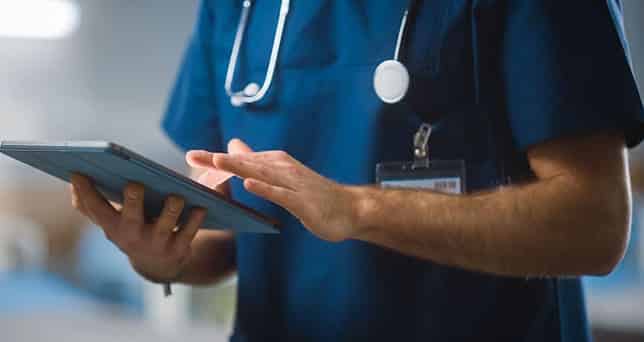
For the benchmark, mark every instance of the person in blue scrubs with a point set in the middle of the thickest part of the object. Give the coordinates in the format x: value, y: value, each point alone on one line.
x: 537, y: 97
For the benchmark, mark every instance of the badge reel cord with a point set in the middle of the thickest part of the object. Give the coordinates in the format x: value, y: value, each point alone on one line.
x: 391, y: 83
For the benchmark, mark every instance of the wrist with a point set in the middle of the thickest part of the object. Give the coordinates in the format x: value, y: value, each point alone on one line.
x: 156, y: 278
x: 362, y: 205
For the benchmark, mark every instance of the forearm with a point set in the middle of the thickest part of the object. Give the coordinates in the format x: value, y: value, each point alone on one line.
x: 212, y: 258
x: 572, y: 219
x: 545, y: 228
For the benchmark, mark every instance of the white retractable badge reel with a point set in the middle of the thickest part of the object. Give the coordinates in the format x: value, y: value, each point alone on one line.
x: 391, y: 78
x: 391, y: 83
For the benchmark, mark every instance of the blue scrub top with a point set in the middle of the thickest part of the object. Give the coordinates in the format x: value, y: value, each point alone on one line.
x: 495, y: 77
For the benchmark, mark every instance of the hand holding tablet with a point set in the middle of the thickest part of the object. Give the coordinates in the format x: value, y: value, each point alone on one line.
x: 111, y: 168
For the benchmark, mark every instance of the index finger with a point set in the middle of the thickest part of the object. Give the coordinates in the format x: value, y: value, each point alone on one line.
x: 262, y: 170
x: 200, y: 159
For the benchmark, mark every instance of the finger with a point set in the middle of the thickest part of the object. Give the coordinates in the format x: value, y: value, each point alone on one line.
x: 283, y: 197
x: 264, y: 156
x: 76, y: 203
x: 96, y: 206
x: 211, y: 177
x: 214, y: 178
x: 244, y: 168
x: 199, y: 159
x: 167, y: 221
x: 132, y: 211
x: 237, y: 146
x: 116, y: 206
x: 187, y: 233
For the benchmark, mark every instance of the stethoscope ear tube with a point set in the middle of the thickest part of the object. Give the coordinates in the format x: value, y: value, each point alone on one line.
x: 252, y: 92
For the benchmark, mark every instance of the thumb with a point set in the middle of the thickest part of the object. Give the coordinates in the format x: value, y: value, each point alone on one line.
x: 213, y: 178
x: 201, y: 159
x: 238, y: 146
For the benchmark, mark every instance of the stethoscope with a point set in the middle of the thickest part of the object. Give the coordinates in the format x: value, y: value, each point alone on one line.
x: 390, y: 79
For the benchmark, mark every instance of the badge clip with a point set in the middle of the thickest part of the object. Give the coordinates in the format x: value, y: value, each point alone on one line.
x: 421, y: 143
x: 446, y: 176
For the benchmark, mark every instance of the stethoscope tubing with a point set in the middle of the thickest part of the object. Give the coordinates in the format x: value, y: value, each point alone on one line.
x: 241, y: 96
x: 391, y: 77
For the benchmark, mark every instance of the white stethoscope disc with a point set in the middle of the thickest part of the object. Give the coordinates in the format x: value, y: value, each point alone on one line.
x: 391, y: 81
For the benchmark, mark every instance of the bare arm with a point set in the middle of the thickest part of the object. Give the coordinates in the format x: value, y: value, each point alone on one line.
x: 212, y: 258
x: 572, y: 219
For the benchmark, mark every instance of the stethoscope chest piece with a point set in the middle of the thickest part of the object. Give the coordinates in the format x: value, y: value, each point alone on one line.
x: 391, y: 81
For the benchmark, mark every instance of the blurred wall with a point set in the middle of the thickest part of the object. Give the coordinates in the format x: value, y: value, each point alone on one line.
x: 634, y: 24
x: 109, y: 81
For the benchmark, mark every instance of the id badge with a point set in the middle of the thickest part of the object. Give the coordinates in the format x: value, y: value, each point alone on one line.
x: 447, y: 176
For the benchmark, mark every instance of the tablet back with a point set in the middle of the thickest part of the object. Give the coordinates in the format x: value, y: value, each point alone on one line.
x: 111, y: 167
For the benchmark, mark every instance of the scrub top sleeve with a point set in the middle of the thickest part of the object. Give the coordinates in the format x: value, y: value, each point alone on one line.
x: 566, y: 71
x: 190, y: 119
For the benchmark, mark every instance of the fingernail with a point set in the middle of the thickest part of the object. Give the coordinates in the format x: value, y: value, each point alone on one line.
x: 174, y: 204
x: 197, y: 153
x: 217, y: 157
x: 132, y: 194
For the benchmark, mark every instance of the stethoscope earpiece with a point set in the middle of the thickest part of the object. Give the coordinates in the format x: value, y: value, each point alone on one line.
x: 236, y: 101
x: 240, y: 98
x: 251, y: 89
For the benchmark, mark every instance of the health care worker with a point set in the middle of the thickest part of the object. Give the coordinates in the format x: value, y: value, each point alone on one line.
x: 459, y: 206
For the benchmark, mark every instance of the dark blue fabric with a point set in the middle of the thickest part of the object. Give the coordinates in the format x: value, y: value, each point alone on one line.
x: 496, y: 77
x: 559, y: 70
x: 190, y: 119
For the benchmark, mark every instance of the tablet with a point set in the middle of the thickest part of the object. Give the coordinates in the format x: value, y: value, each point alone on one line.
x: 111, y: 167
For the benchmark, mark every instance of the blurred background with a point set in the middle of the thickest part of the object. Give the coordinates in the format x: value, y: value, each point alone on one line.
x: 101, y: 70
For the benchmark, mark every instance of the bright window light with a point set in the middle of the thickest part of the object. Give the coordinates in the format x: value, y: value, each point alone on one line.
x: 38, y: 19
